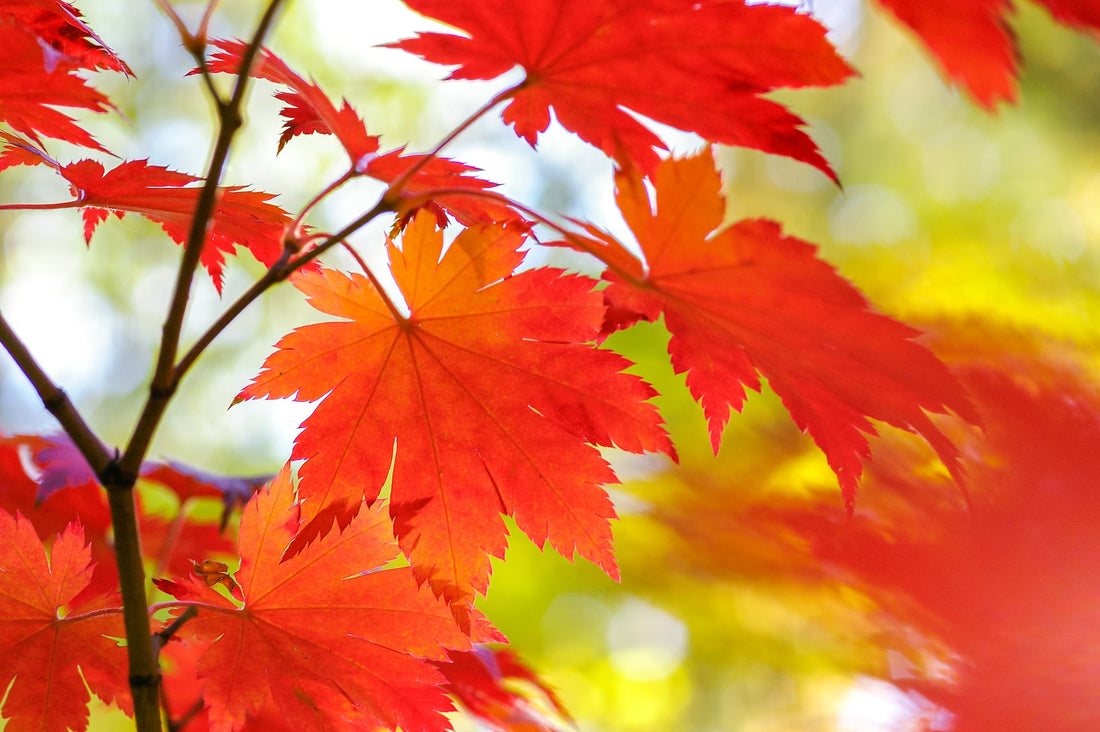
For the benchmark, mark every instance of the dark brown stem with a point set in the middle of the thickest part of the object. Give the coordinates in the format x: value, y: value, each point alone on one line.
x: 175, y: 725
x: 164, y: 377
x: 166, y: 635
x: 121, y: 474
x: 144, y: 671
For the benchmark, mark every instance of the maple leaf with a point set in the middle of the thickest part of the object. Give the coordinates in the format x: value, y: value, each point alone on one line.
x: 50, y: 646
x: 64, y: 37
x: 490, y: 391
x: 34, y: 82
x: 327, y: 636
x: 973, y: 42
x: 241, y: 217
x: 697, y: 66
x: 309, y: 111
x: 748, y: 301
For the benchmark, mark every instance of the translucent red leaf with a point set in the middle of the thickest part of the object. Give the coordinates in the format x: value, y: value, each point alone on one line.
x: 241, y: 217
x: 971, y: 40
x: 747, y: 301
x: 702, y: 67
x: 310, y: 111
x: 64, y: 37
x: 989, y: 611
x: 34, y: 82
x: 329, y: 637
x: 490, y: 390
x: 424, y: 189
x: 50, y: 645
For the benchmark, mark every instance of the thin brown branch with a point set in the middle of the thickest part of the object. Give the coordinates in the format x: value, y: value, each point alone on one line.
x: 164, y: 378
x: 276, y: 273
x: 121, y: 474
x: 166, y: 635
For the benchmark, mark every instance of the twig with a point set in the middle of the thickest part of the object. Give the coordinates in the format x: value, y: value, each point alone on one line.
x: 398, y: 184
x: 164, y: 381
x: 120, y: 474
x: 166, y: 635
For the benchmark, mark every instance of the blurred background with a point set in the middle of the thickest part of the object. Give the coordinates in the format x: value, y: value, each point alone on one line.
x: 989, y: 223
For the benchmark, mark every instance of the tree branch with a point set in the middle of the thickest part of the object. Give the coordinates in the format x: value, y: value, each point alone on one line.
x: 120, y: 474
x: 164, y: 378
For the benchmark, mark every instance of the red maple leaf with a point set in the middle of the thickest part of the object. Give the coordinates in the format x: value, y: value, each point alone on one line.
x: 697, y: 66
x: 327, y: 636
x: 36, y: 81
x: 166, y: 197
x: 65, y: 39
x: 310, y: 111
x: 50, y: 645
x: 973, y: 42
x: 747, y: 302
x: 490, y: 391
x: 241, y: 217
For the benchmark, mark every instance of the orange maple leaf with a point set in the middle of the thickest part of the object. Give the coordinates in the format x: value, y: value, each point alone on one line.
x: 489, y: 389
x: 697, y: 66
x: 50, y: 647
x: 331, y: 639
x: 747, y: 301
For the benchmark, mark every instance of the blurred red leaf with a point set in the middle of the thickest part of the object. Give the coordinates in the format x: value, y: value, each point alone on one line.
x: 484, y: 681
x: 973, y: 42
x: 994, y: 608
